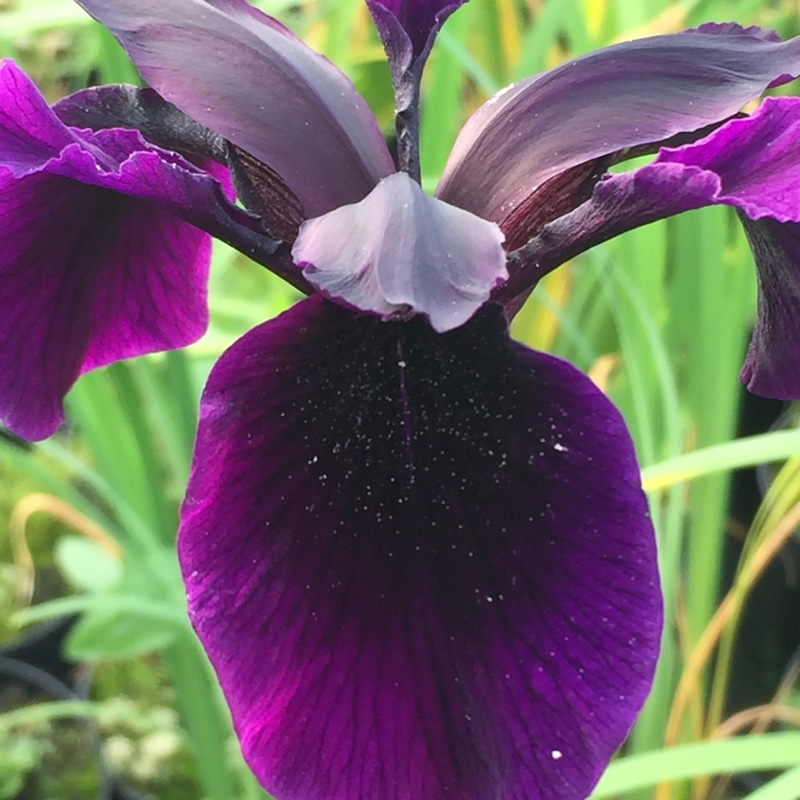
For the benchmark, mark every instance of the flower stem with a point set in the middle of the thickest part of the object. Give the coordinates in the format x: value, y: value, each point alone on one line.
x: 407, y: 127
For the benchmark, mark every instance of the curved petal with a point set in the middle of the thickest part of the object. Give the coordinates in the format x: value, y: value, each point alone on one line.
x: 401, y: 251
x: 622, y: 96
x: 30, y: 133
x: 87, y: 275
x: 421, y: 564
x: 751, y: 164
x: 758, y: 166
x: 408, y: 28
x: 125, y: 106
x: 245, y: 76
x: 33, y: 137
x: 772, y: 365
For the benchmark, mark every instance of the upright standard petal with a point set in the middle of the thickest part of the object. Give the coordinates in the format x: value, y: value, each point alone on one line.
x: 400, y: 252
x: 622, y: 96
x: 88, y: 275
x: 245, y: 76
x: 408, y: 28
x: 751, y: 164
x: 421, y: 564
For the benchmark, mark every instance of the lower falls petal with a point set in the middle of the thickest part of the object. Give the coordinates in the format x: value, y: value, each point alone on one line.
x: 421, y: 564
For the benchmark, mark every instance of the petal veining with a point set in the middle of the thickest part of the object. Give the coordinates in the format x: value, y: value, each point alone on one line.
x: 400, y: 251
x: 618, y: 97
x: 421, y: 563
x: 89, y: 275
x: 245, y: 76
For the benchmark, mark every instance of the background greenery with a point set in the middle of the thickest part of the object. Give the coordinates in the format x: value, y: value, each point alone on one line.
x: 660, y: 318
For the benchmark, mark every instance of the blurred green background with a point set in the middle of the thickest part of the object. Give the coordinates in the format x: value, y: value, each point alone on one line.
x: 660, y: 318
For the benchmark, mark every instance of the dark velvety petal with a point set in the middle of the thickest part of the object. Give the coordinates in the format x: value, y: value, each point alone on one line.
x: 619, y: 97
x: 159, y: 122
x: 248, y: 78
x: 400, y: 251
x: 421, y: 564
x: 772, y: 366
x: 751, y: 164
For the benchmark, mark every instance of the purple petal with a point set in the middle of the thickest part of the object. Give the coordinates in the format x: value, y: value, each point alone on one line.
x: 408, y: 28
x: 421, y: 564
x: 30, y: 133
x: 622, y: 96
x: 756, y: 159
x: 248, y: 78
x: 751, y: 164
x: 758, y: 166
x: 772, y: 365
x: 89, y: 276
x: 399, y: 251
x: 33, y: 138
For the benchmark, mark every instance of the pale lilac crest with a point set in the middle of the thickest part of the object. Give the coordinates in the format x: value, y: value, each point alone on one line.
x: 245, y: 76
x: 400, y: 251
x: 387, y: 565
x: 618, y: 97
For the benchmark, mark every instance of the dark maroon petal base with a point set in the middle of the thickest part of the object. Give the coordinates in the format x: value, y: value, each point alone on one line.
x: 421, y: 564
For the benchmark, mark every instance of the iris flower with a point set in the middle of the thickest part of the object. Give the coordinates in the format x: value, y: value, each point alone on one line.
x: 416, y: 552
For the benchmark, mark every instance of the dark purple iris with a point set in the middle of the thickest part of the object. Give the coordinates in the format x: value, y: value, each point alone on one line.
x: 416, y: 552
